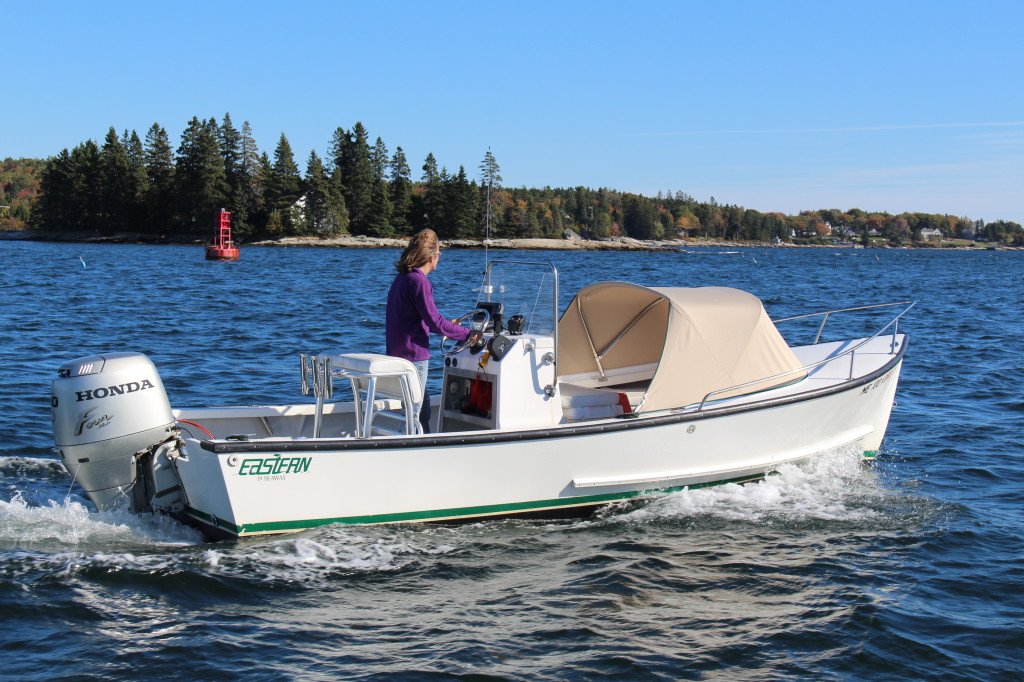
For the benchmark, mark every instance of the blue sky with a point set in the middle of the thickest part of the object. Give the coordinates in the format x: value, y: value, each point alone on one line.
x: 777, y: 106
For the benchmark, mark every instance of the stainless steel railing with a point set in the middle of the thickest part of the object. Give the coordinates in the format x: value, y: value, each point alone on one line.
x: 825, y: 315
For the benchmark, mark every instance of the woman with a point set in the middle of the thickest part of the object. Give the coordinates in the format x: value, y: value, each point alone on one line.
x: 411, y: 314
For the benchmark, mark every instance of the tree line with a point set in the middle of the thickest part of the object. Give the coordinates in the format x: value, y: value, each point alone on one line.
x: 148, y: 186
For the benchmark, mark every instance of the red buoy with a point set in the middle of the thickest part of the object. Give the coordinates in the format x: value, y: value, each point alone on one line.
x: 222, y: 247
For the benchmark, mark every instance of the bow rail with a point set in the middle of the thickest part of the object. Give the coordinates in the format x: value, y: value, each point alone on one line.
x: 851, y: 352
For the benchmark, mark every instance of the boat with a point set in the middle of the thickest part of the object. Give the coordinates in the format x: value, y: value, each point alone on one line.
x: 632, y: 391
x: 222, y: 248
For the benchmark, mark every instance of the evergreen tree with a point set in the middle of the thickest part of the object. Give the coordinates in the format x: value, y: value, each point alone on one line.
x: 429, y: 208
x: 160, y: 195
x: 490, y: 171
x: 379, y: 224
x: 215, y: 177
x: 116, y: 187
x: 379, y: 159
x: 460, y: 208
x: 251, y: 186
x: 430, y: 172
x: 317, y: 190
x: 601, y: 211
x: 338, y: 200
x: 88, y: 186
x: 199, y: 176
x: 325, y: 212
x: 138, y: 181
x: 55, y: 209
x: 400, y: 193
x: 753, y: 223
x: 602, y: 225
x: 284, y: 185
x: 490, y: 180
x: 359, y: 180
x: 266, y: 170
x: 231, y: 150
x: 339, y: 143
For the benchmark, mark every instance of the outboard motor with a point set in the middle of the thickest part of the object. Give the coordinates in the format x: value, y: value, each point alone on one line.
x: 107, y: 409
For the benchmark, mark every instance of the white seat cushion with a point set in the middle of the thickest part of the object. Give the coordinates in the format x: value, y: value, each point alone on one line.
x: 580, y: 402
x: 387, y: 367
x: 574, y: 395
x: 595, y: 412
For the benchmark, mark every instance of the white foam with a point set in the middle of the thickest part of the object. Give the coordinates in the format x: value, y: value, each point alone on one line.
x: 70, y: 522
x: 835, y: 486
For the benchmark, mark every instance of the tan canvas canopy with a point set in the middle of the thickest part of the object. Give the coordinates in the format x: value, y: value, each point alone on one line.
x: 701, y: 339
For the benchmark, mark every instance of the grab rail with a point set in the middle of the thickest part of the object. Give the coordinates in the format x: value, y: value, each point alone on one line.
x: 894, y: 323
x: 825, y: 315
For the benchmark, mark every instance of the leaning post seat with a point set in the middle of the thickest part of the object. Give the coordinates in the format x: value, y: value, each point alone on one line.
x: 375, y: 379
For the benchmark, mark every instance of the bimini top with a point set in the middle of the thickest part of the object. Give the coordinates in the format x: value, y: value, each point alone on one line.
x: 700, y: 340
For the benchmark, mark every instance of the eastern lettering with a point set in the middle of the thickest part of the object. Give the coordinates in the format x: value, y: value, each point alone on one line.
x: 274, y: 466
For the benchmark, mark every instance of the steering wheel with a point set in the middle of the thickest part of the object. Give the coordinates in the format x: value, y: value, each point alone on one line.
x: 461, y: 345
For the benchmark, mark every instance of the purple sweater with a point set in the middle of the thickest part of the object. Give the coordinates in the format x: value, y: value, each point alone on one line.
x: 411, y: 316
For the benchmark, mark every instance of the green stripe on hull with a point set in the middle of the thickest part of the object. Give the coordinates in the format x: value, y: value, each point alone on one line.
x: 457, y: 514
x: 870, y: 454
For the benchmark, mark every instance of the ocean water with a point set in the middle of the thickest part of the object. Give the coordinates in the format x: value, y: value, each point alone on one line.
x: 911, y: 568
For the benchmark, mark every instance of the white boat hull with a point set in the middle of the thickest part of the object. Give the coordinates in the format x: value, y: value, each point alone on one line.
x: 267, y: 486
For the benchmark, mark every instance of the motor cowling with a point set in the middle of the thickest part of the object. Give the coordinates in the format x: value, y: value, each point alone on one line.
x: 106, y: 409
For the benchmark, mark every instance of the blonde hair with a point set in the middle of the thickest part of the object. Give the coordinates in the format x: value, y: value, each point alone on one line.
x: 421, y: 249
